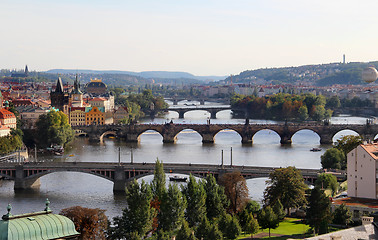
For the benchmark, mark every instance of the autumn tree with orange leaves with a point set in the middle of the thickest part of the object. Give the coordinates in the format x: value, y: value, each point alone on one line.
x: 90, y: 223
x: 235, y: 188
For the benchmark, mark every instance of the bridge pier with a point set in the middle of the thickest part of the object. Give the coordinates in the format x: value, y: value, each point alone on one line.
x: 207, y: 138
x: 213, y: 114
x: 368, y: 137
x: 132, y: 137
x: 202, y: 102
x: 181, y: 114
x: 94, y: 138
x: 119, y: 179
x: 21, y: 183
x: 285, y: 139
x: 175, y: 101
x: 326, y: 139
x: 246, y: 140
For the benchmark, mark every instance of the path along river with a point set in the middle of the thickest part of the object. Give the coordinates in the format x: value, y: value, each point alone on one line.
x: 66, y: 189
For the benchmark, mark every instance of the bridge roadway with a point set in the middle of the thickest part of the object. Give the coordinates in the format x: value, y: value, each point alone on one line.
x: 132, y: 132
x: 27, y: 175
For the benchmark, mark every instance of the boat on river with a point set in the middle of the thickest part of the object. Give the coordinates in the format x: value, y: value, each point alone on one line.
x: 315, y: 149
x: 178, y: 178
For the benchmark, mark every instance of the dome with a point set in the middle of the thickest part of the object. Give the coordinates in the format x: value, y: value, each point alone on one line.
x: 369, y: 74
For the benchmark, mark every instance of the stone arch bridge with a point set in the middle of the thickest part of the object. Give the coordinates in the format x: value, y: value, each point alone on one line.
x: 27, y: 175
x: 131, y: 133
x: 213, y: 110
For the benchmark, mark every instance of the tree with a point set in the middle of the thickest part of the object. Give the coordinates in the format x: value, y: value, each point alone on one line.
x: 216, y: 200
x: 303, y: 113
x: 278, y: 210
x: 348, y: 143
x: 138, y: 216
x: 185, y: 232
x: 236, y: 190
x: 342, y: 215
x: 172, y: 209
x: 229, y: 226
x: 327, y: 180
x: 90, y: 223
x: 333, y: 102
x: 286, y: 185
x: 268, y: 219
x: 333, y: 158
x: 318, y: 213
x: 196, y: 201
x: 252, y: 207
x: 53, y: 129
x: 252, y: 225
x: 206, y: 230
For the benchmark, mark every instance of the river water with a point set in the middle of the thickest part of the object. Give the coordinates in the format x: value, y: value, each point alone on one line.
x: 66, y: 189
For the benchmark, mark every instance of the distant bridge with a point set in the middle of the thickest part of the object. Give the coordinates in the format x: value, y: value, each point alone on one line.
x: 169, y: 132
x: 213, y: 110
x: 27, y: 175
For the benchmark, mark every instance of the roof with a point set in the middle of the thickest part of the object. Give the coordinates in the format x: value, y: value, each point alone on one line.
x: 371, y: 149
x: 38, y: 225
x: 357, y: 202
x: 6, y: 114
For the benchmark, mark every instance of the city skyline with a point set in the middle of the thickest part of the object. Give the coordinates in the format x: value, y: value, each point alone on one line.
x: 201, y: 37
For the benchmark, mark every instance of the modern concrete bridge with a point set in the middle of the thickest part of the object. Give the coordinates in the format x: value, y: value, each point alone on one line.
x: 27, y: 175
x: 213, y: 110
x: 131, y: 133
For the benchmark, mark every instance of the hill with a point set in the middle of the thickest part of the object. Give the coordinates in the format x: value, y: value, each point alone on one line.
x: 319, y: 75
x: 145, y: 74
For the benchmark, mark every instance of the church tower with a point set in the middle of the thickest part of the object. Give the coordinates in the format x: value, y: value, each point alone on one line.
x: 76, y: 94
x: 59, y: 99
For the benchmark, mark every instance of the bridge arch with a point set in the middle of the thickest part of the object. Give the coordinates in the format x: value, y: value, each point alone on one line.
x: 108, y: 133
x: 148, y: 132
x: 229, y: 131
x: 305, y: 131
x: 339, y: 134
x: 191, y: 131
x: 270, y: 135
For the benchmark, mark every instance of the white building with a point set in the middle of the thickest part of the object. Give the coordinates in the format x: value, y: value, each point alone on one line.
x: 363, y: 171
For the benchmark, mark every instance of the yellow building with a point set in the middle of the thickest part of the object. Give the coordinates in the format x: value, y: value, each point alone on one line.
x: 94, y: 117
x: 77, y: 116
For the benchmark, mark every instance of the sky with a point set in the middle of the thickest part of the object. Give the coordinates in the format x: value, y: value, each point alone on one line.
x: 203, y: 37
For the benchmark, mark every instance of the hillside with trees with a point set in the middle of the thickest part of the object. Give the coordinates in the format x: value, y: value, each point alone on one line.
x: 320, y: 75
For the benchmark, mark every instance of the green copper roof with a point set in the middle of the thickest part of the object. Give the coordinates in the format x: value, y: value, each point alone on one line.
x: 38, y: 225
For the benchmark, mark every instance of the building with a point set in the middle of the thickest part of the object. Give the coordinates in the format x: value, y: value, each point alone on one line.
x: 24, y: 74
x: 77, y: 116
x: 37, y: 225
x: 96, y: 87
x: 8, y: 119
x: 30, y: 115
x: 59, y: 98
x: 362, y: 171
x: 76, y: 95
x: 94, y: 117
x: 120, y: 113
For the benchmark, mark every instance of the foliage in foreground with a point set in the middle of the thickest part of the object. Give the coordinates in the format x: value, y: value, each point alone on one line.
x: 90, y: 223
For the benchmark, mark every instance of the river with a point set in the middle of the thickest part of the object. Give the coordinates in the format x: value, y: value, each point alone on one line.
x: 66, y: 189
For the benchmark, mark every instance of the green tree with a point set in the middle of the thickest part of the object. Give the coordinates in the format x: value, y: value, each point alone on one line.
x: 53, y: 129
x: 342, y: 215
x: 185, y: 232
x: 279, y: 210
x: 333, y: 102
x: 236, y: 190
x: 333, y: 158
x: 318, y: 213
x: 158, y: 184
x: 216, y: 200
x: 137, y: 218
x: 196, y: 201
x: 303, y: 113
x: 252, y: 225
x: 327, y: 180
x: 252, y: 207
x: 286, y: 185
x: 318, y: 112
x: 172, y: 209
x: 348, y: 143
x: 268, y: 219
x: 229, y: 226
